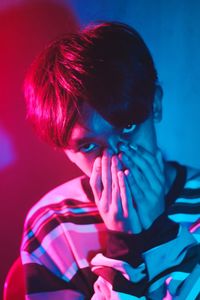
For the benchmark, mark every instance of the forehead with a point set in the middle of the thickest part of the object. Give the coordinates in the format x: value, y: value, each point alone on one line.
x: 90, y: 123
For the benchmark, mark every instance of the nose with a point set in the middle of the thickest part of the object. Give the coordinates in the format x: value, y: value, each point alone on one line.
x: 114, y: 142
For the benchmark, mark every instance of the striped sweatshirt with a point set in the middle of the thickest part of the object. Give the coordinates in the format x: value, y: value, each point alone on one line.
x: 68, y: 253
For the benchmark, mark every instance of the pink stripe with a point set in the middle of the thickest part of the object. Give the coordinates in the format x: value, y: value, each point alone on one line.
x: 195, y: 226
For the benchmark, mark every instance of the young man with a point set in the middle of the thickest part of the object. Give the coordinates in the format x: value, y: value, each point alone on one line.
x: 129, y: 228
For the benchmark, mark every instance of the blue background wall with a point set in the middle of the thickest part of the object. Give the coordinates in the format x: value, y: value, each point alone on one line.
x: 28, y: 167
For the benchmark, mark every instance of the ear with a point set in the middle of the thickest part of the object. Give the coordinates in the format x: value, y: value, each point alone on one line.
x: 157, y: 104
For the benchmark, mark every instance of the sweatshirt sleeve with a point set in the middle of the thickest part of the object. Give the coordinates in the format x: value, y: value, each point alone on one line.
x: 54, y: 253
x: 162, y: 262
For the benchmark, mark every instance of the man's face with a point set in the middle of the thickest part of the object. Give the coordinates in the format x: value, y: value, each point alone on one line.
x: 92, y: 134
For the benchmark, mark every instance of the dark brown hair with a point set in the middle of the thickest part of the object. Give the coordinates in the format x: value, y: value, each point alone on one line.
x: 106, y: 65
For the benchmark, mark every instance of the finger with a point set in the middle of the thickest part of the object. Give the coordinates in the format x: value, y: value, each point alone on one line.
x: 95, y: 179
x: 125, y: 193
x: 140, y: 201
x: 116, y: 198
x: 106, y: 169
x: 139, y: 158
x: 139, y: 197
x: 106, y: 179
x: 151, y: 159
x: 147, y: 203
x: 139, y: 178
x: 161, y: 163
x: 127, y: 204
x: 134, y: 188
x: 114, y: 170
x: 138, y: 185
x: 141, y: 193
x: 160, y: 160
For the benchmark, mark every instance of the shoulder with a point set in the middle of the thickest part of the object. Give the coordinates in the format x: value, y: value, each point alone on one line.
x: 71, y: 192
x: 70, y: 204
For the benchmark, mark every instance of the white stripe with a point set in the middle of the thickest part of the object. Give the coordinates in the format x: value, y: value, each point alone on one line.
x: 43, y: 202
x: 52, y: 235
x: 122, y: 296
x: 180, y: 217
x: 188, y: 201
x: 67, y: 227
x: 193, y: 184
x: 179, y: 275
x: 56, y: 213
x: 27, y: 258
x: 71, y: 271
x: 117, y: 296
x: 40, y: 251
x: 45, y: 248
x: 50, y: 213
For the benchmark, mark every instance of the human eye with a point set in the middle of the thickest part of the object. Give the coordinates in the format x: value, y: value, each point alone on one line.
x: 86, y: 148
x: 129, y: 128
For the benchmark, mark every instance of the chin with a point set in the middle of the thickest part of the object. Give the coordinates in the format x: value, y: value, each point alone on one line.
x: 88, y: 173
